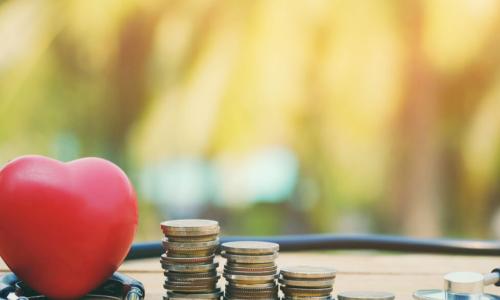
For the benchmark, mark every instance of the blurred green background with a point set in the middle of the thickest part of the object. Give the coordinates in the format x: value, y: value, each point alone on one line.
x: 269, y: 116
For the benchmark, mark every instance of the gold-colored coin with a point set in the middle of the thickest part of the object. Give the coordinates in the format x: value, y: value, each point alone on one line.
x: 306, y: 292
x: 250, y: 247
x: 190, y: 227
x: 307, y: 272
x: 250, y: 278
x: 252, y: 259
x: 216, y: 294
x: 192, y: 268
x: 307, y: 283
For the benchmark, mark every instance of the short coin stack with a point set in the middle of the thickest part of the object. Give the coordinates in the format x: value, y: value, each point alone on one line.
x: 188, y: 262
x: 250, y: 270
x: 307, y: 283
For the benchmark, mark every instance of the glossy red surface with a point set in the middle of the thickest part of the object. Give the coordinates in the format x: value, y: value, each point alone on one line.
x: 65, y: 227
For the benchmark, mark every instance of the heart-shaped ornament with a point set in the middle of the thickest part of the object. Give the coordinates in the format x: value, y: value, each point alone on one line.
x: 65, y: 227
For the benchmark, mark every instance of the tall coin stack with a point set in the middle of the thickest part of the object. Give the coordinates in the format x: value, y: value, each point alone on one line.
x: 307, y: 283
x: 188, y: 261
x: 250, y: 271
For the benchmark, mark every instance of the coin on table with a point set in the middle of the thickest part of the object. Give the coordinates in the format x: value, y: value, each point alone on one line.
x: 192, y: 268
x: 187, y: 260
x: 253, y: 272
x: 308, y: 298
x: 195, y: 280
x: 251, y: 295
x: 212, y: 295
x: 193, y: 238
x: 187, y: 287
x: 251, y: 268
x: 253, y: 259
x: 190, y: 227
x: 250, y: 278
x: 305, y: 292
x: 191, y: 245
x: 190, y: 253
x: 365, y: 295
x: 180, y: 275
x: 251, y: 265
x: 186, y: 297
x: 307, y: 283
x: 307, y: 272
x: 253, y: 286
x: 250, y: 247
x: 233, y: 298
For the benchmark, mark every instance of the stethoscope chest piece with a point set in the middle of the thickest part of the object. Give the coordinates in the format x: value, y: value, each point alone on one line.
x: 462, y: 286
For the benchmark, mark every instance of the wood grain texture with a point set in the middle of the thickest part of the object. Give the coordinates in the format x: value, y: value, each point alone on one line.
x: 400, y: 274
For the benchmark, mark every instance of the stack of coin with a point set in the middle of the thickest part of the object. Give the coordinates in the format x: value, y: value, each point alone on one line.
x: 250, y: 270
x: 307, y: 283
x: 188, y: 261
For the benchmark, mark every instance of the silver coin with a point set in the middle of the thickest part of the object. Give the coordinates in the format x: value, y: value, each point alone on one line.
x: 307, y: 298
x: 233, y: 298
x: 188, y: 298
x: 180, y: 275
x: 251, y: 265
x: 187, y: 260
x: 250, y: 278
x: 251, y: 268
x: 294, y: 291
x: 307, y: 272
x: 193, y: 239
x: 190, y: 227
x: 252, y: 286
x: 194, y: 281
x: 212, y: 295
x: 307, y: 283
x: 250, y: 295
x: 250, y: 247
x: 192, y: 268
x: 188, y: 288
x: 190, y: 253
x: 252, y: 259
x: 191, y: 245
x: 253, y: 273
x: 365, y: 295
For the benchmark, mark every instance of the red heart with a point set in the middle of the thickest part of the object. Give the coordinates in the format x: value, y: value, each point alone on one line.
x: 65, y: 227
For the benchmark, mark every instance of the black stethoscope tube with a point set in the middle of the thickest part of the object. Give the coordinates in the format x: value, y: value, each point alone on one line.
x: 348, y: 242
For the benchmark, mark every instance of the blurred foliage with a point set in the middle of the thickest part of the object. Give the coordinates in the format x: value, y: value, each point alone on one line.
x: 390, y: 108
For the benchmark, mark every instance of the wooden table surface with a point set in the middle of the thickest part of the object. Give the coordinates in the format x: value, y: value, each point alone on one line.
x: 400, y: 274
